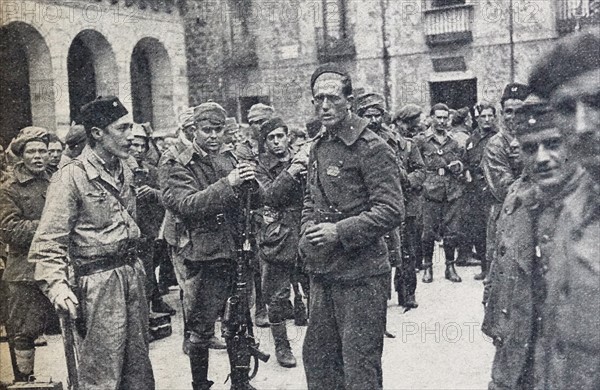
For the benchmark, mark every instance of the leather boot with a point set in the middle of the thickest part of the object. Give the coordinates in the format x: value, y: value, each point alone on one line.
x: 451, y: 274
x: 428, y: 274
x: 300, y: 317
x: 411, y: 302
x: 283, y: 351
x: 199, y: 366
x: 484, y: 270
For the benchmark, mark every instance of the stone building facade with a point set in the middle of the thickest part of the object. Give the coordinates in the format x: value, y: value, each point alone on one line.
x: 57, y: 55
x: 413, y: 51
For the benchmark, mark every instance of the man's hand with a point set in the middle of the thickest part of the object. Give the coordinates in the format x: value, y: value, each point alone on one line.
x: 67, y: 302
x: 296, y: 169
x: 321, y: 234
x: 243, y: 172
x: 144, y: 191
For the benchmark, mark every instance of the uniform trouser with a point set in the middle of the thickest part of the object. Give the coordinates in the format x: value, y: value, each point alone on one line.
x: 28, y: 313
x: 405, y: 278
x: 475, y: 215
x: 146, y: 252
x: 114, y: 352
x: 440, y: 220
x: 166, y: 274
x: 206, y: 285
x: 276, y: 279
x: 344, y: 340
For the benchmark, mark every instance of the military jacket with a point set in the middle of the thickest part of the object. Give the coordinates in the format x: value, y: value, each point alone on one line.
x: 22, y: 199
x: 440, y: 184
x: 89, y: 213
x: 353, y: 181
x: 207, y: 208
x: 499, y: 170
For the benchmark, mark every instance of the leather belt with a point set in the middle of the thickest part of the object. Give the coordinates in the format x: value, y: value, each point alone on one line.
x: 94, y: 265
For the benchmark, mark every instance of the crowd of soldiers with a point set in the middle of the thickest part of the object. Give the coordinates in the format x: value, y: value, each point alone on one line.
x: 336, y: 206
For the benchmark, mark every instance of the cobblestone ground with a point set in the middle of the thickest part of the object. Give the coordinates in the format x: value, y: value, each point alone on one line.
x: 438, y: 346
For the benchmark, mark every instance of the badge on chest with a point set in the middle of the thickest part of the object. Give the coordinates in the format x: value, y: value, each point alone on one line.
x: 334, y: 170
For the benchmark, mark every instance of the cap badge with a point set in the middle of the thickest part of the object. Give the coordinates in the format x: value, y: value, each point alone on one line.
x: 115, y: 104
x: 514, y: 89
x: 532, y: 121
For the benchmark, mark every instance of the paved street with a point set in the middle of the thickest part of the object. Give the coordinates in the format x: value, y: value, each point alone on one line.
x: 438, y: 346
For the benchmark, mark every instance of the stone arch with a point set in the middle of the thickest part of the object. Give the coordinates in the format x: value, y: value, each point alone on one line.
x: 26, y: 80
x: 152, y: 85
x: 92, y: 70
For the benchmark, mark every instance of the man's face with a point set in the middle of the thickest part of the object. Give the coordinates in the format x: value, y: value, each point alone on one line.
x: 277, y: 142
x: 116, y: 138
x: 508, y: 113
x: 545, y: 155
x: 578, y: 114
x: 35, y: 156
x: 138, y: 148
x: 375, y: 117
x: 487, y: 119
x: 440, y: 120
x: 209, y: 136
x: 331, y: 105
x: 55, y: 150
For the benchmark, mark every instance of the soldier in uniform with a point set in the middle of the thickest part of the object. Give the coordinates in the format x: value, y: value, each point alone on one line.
x: 353, y: 199
x: 88, y: 224
x: 570, y: 77
x: 500, y: 163
x: 55, y: 151
x: 201, y: 190
x: 150, y: 213
x: 75, y: 140
x: 281, y: 177
x: 540, y: 289
x: 477, y: 195
x: 22, y: 198
x: 442, y: 189
x: 402, y: 252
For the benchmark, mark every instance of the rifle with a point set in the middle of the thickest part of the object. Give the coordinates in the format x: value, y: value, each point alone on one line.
x: 237, y: 330
x: 66, y: 326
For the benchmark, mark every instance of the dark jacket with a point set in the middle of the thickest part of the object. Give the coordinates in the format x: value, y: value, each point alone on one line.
x: 206, y: 206
x: 22, y: 199
x: 412, y: 161
x: 283, y: 198
x: 436, y: 157
x: 475, y: 148
x: 353, y: 177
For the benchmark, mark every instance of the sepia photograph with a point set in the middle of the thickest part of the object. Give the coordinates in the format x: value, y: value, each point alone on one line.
x: 299, y: 194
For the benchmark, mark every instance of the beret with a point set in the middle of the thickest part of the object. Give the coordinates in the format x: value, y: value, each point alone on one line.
x: 186, y: 117
x: 370, y: 100
x: 535, y: 115
x: 212, y: 112
x: 102, y: 112
x: 260, y: 112
x: 408, y: 112
x: 515, y: 91
x: 75, y: 135
x: 268, y: 127
x: 571, y: 57
x: 28, y: 134
x: 327, y: 68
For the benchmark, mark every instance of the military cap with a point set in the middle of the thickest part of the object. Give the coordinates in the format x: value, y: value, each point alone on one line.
x: 408, y: 113
x: 515, y: 91
x: 259, y: 112
x: 535, y: 115
x: 573, y: 56
x: 186, y: 117
x: 138, y: 130
x: 211, y: 111
x: 329, y: 68
x: 102, y: 112
x: 28, y: 134
x: 75, y: 135
x: 231, y: 125
x: 271, y: 125
x: 370, y: 100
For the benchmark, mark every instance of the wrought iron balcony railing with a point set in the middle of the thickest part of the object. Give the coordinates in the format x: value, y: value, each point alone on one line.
x: 446, y: 25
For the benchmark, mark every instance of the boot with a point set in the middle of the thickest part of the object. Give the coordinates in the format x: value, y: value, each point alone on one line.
x: 199, y: 366
x: 160, y: 306
x: 411, y: 302
x: 484, y: 270
x: 300, y: 317
x: 451, y: 274
x: 428, y: 274
x: 260, y: 317
x: 283, y: 351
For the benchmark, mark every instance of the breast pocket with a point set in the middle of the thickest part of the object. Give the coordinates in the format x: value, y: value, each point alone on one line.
x: 100, y: 207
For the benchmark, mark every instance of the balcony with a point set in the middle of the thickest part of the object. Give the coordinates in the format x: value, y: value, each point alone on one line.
x: 332, y: 49
x: 573, y: 15
x: 242, y: 54
x: 447, y: 25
